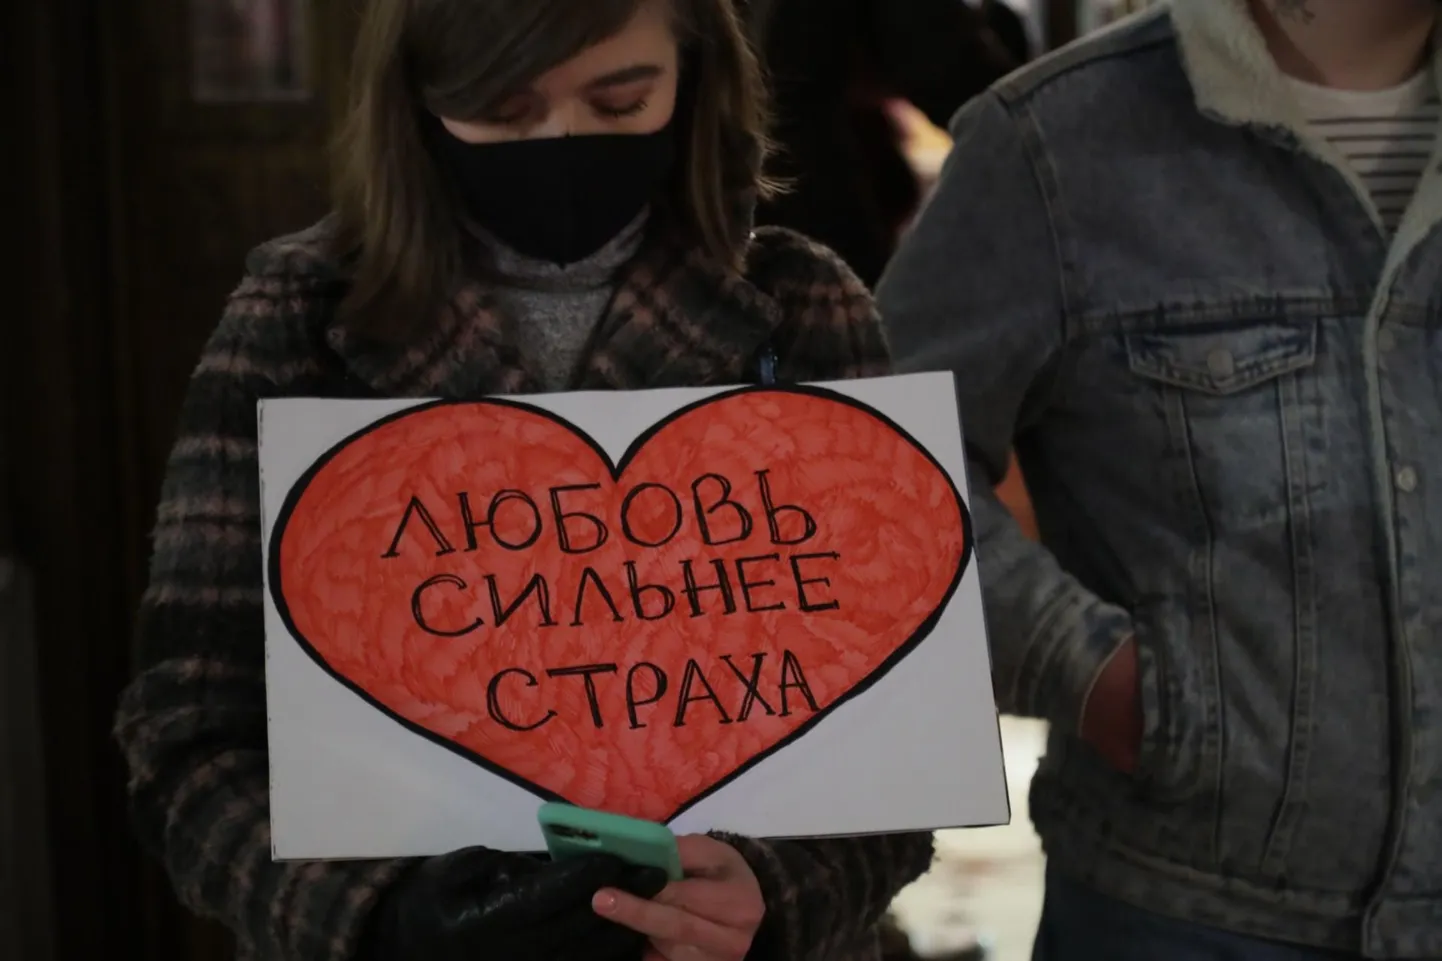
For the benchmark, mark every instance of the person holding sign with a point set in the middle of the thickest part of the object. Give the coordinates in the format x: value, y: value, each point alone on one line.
x: 532, y: 195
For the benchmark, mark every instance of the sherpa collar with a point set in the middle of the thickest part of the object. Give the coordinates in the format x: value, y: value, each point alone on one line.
x: 1236, y: 81
x: 1233, y: 74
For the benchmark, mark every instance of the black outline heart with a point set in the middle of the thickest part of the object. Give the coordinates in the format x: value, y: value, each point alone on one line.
x: 923, y: 629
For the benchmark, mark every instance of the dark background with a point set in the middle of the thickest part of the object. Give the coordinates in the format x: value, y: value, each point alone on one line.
x: 127, y: 210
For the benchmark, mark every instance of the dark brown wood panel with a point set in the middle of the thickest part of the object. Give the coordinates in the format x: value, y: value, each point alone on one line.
x: 203, y: 183
x: 62, y: 430
x: 1060, y: 21
x: 135, y: 207
x: 26, y: 914
x: 198, y: 185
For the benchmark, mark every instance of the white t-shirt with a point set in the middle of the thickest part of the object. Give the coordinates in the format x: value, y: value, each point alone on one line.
x: 1385, y: 135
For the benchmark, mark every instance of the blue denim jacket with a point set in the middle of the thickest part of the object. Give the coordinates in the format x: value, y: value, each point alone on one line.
x: 1223, y: 381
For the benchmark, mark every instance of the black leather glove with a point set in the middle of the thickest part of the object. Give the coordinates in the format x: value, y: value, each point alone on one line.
x: 477, y: 903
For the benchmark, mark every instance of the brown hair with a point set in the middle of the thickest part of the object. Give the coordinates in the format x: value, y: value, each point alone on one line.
x: 399, y: 229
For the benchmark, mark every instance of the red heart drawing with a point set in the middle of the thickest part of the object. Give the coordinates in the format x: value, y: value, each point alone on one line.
x: 628, y: 637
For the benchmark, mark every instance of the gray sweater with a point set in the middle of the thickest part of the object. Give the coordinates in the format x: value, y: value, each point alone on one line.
x: 554, y: 308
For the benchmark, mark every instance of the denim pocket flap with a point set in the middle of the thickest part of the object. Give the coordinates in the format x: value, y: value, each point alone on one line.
x: 1222, y: 360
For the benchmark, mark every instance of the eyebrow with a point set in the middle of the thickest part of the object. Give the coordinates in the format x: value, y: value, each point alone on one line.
x: 619, y: 78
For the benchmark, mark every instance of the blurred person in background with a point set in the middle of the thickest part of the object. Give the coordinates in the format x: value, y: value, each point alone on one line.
x: 532, y: 195
x: 1009, y: 27
x: 1190, y: 266
x: 834, y: 67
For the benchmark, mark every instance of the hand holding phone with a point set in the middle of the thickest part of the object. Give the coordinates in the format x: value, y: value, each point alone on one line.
x: 715, y: 914
x: 571, y: 831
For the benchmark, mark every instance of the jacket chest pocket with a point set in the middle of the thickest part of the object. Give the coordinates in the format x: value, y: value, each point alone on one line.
x: 1237, y: 402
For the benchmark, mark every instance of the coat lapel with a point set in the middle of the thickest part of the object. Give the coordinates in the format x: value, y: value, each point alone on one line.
x: 679, y: 319
x: 467, y: 353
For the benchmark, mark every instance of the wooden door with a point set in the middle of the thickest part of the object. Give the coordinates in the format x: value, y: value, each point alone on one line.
x: 208, y: 162
x: 61, y: 501
x: 203, y: 179
x: 137, y: 188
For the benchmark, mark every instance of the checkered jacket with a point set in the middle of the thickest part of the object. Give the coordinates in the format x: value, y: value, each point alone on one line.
x: 192, y: 724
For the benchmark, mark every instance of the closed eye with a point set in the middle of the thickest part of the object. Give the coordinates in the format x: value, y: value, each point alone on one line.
x: 624, y: 93
x: 622, y: 110
x: 510, y: 112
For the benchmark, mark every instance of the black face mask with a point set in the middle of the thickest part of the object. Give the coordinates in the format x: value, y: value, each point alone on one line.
x: 559, y: 199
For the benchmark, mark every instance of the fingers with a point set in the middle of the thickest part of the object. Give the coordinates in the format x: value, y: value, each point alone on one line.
x: 705, y: 857
x: 714, y: 901
x: 644, y: 882
x: 663, y: 922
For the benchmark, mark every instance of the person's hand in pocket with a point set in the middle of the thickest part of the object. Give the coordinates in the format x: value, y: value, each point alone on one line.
x: 1112, y: 714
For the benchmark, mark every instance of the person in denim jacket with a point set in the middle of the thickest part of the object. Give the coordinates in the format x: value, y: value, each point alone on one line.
x: 1189, y: 268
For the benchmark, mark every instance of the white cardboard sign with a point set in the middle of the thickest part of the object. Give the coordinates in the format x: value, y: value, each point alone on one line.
x: 751, y: 609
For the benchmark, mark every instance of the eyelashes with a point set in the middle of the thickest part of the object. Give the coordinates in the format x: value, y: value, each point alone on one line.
x: 516, y: 116
x: 629, y: 110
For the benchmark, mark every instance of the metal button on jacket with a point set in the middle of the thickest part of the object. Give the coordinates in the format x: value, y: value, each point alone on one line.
x: 1220, y: 363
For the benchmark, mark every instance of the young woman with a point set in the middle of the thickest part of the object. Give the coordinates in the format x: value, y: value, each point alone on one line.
x: 533, y: 195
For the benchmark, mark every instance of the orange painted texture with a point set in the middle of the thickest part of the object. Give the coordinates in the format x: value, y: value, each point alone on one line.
x: 889, y: 542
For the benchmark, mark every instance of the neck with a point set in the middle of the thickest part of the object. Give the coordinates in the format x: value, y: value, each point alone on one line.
x: 1348, y: 44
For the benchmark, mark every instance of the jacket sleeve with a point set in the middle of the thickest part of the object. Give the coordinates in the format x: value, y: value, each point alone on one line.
x: 825, y: 896
x: 977, y: 288
x: 192, y: 724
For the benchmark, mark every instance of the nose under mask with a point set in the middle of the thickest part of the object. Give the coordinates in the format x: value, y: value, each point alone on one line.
x: 558, y: 199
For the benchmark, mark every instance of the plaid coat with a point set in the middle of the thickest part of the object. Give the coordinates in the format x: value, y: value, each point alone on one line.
x: 193, y: 722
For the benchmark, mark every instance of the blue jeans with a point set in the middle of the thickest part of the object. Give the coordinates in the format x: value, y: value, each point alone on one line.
x: 1078, y: 924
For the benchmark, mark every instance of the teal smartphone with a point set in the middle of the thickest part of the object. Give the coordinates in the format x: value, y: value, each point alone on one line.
x: 571, y: 831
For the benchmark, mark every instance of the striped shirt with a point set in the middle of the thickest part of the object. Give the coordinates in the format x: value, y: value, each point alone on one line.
x: 1385, y: 135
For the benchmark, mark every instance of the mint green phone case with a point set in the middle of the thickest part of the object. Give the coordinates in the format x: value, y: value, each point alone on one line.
x: 570, y: 831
